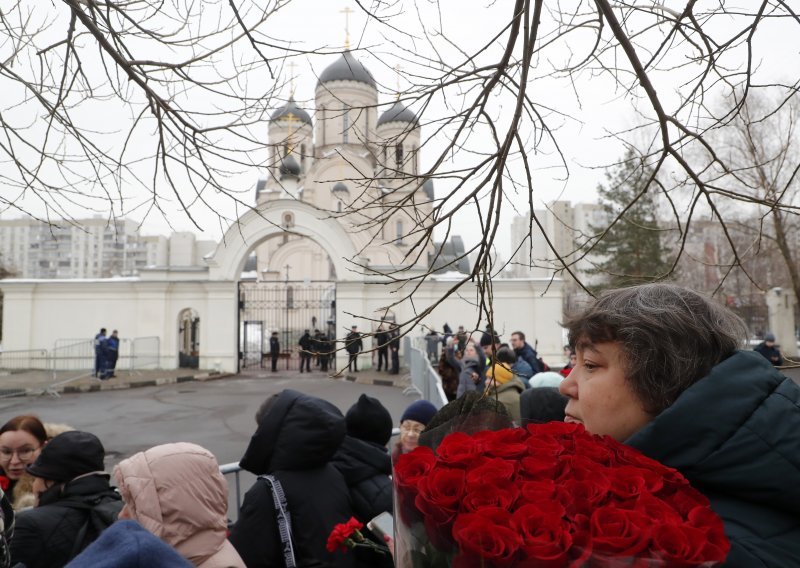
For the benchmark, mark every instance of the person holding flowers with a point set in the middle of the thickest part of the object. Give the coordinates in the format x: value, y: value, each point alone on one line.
x: 660, y: 368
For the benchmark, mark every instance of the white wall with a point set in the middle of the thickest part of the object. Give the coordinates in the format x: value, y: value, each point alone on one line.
x: 39, y: 312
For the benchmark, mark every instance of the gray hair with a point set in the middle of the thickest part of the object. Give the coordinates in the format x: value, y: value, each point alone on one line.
x: 670, y: 337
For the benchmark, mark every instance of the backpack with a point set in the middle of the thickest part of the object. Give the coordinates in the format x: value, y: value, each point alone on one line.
x: 103, y: 511
x: 542, y: 365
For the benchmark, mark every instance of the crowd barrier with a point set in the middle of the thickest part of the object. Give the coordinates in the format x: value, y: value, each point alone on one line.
x: 78, y: 355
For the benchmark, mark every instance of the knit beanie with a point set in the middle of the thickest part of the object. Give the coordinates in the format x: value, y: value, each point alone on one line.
x: 69, y: 455
x: 369, y: 420
x: 420, y: 411
x: 500, y: 373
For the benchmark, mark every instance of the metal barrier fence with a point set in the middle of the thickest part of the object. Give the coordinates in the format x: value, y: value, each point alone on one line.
x: 78, y: 355
x: 425, y: 381
x: 23, y: 360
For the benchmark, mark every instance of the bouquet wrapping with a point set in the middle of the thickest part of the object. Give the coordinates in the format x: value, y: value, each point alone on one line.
x: 548, y: 495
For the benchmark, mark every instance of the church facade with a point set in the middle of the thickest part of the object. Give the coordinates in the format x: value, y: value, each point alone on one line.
x: 328, y: 243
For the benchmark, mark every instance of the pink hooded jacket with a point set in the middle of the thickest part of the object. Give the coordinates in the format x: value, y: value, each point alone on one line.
x: 177, y: 493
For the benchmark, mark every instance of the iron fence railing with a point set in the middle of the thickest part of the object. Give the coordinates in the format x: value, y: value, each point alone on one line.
x: 78, y: 355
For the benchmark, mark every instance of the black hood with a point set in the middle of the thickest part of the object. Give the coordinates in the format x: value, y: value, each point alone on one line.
x: 298, y: 432
x: 358, y: 460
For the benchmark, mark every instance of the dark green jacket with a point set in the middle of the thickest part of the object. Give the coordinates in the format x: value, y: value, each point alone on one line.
x: 735, y: 435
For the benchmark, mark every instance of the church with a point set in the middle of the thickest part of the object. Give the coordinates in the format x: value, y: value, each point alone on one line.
x: 332, y: 241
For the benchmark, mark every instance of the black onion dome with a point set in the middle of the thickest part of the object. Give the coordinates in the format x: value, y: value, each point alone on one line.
x: 397, y: 113
x: 347, y: 68
x: 291, y: 108
x: 289, y: 166
x: 339, y: 187
x: 427, y: 187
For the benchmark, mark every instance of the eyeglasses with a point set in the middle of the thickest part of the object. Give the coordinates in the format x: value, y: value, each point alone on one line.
x: 411, y: 430
x: 24, y: 454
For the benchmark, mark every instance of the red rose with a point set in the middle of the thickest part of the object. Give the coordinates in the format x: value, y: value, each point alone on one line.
x: 686, y: 499
x: 536, y: 491
x: 597, y: 452
x: 588, y: 489
x: 629, y: 482
x: 458, y: 449
x: 538, y: 467
x: 491, y: 470
x: 410, y: 468
x: 482, y: 541
x: 619, y: 532
x: 681, y: 545
x: 5, y: 482
x: 542, y: 446
x: 654, y: 509
x: 717, y: 544
x: 489, y: 495
x: 341, y: 533
x: 440, y: 493
x: 555, y: 429
x: 506, y: 443
x: 546, y: 538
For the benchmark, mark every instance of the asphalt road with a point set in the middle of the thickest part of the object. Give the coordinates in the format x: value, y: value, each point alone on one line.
x: 218, y: 415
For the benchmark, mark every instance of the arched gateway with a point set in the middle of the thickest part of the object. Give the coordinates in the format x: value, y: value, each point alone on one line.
x: 283, y: 305
x: 267, y: 220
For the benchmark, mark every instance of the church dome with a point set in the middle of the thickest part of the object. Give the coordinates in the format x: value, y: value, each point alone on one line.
x: 289, y: 166
x: 347, y: 68
x: 397, y: 113
x: 340, y: 187
x: 292, y: 109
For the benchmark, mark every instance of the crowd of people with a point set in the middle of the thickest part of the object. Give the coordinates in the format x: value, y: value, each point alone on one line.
x: 316, y: 467
x: 657, y: 367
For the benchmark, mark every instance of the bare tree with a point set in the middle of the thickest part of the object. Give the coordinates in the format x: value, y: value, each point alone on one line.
x: 183, y: 76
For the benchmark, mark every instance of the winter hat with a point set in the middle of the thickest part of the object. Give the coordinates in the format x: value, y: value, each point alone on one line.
x: 769, y: 336
x: 69, y: 455
x: 369, y: 420
x: 500, y: 373
x: 420, y: 411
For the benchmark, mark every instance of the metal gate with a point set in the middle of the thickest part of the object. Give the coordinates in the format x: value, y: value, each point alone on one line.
x: 288, y: 307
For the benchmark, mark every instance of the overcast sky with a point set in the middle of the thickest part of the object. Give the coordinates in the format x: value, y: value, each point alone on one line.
x: 589, y: 109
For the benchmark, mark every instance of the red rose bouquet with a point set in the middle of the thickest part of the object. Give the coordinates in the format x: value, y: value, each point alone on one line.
x: 548, y: 495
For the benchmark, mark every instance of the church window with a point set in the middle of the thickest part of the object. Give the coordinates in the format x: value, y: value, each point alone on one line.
x: 399, y: 230
x: 324, y: 122
x: 302, y: 155
x: 345, y: 124
x: 285, y: 149
x: 398, y: 158
x: 289, y: 297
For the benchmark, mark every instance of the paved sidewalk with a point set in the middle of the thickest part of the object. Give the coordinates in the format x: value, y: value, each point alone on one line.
x: 58, y: 382
x: 34, y: 383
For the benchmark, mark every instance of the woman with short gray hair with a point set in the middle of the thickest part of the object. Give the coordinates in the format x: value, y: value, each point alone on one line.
x: 659, y: 367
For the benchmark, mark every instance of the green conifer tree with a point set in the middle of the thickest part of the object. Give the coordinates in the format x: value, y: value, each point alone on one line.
x: 631, y: 250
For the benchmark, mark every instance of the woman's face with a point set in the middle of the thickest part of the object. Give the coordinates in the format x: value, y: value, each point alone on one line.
x: 470, y: 351
x: 409, y: 434
x: 17, y: 449
x: 599, y: 396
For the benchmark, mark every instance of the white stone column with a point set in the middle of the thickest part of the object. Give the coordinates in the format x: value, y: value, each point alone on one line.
x: 780, y: 306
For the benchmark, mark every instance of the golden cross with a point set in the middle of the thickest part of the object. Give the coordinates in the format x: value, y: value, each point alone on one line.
x: 346, y: 11
x: 398, y: 69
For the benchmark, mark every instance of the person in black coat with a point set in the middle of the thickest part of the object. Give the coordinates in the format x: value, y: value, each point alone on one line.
x: 353, y: 345
x: 769, y: 350
x: 306, y: 347
x: 364, y: 461
x: 524, y: 351
x: 274, y: 350
x: 70, y: 483
x: 296, y: 438
x: 382, y: 339
x: 659, y: 367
